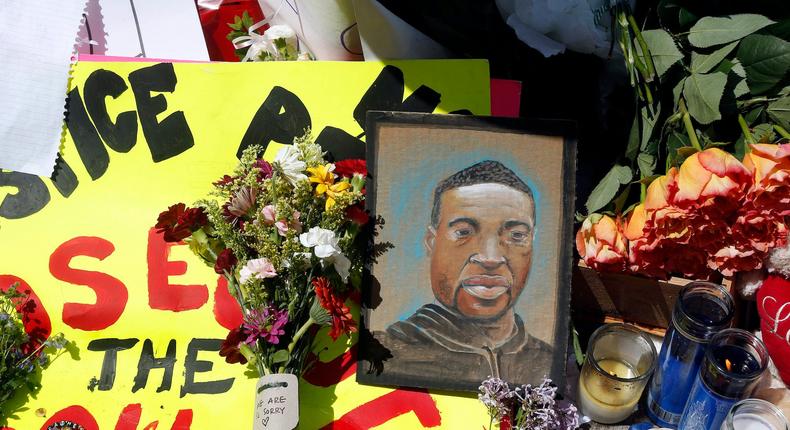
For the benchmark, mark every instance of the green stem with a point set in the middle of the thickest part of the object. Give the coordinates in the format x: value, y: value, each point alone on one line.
x: 302, y: 330
x: 299, y: 333
x: 651, y: 69
x: 779, y: 129
x: 747, y: 135
x: 689, y: 126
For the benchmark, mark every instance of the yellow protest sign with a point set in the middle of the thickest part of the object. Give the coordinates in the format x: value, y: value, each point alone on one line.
x: 148, y: 317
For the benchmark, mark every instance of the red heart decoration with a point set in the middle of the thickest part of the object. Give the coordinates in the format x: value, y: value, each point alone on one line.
x: 773, y: 305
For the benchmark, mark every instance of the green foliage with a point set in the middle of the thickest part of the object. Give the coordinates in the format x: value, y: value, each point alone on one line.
x: 703, y: 93
x: 663, y: 50
x: 605, y: 191
x: 699, y: 82
x: 711, y: 31
x: 21, y: 357
x: 766, y: 59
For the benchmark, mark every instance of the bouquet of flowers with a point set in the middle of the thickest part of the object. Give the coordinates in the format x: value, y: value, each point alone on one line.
x: 277, y: 43
x: 284, y: 235
x: 527, y: 407
x: 704, y: 182
x: 22, y: 355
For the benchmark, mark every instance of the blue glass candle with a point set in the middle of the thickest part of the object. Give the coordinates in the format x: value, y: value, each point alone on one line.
x: 734, y: 362
x: 702, y: 310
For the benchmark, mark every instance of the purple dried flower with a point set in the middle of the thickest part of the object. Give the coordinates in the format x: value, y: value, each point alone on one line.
x: 533, y: 408
x: 266, y: 324
x: 495, y: 395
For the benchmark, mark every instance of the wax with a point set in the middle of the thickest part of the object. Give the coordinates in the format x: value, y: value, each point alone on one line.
x: 750, y: 422
x: 605, y: 400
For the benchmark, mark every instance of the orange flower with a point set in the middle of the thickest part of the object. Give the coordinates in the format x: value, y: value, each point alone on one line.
x: 770, y: 167
x: 712, y: 181
x: 601, y: 244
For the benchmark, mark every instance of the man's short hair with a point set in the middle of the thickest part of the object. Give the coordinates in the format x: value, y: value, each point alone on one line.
x: 484, y: 172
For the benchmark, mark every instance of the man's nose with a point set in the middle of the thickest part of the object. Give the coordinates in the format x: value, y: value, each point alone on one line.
x: 490, y: 255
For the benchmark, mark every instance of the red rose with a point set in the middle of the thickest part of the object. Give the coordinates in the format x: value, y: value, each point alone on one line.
x: 348, y: 168
x: 225, y: 261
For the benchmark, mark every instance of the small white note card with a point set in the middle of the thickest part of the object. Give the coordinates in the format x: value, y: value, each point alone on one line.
x: 37, y: 45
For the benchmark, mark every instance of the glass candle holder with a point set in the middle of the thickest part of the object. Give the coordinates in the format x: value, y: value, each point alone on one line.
x: 702, y: 310
x: 733, y: 364
x: 755, y: 414
x: 620, y: 359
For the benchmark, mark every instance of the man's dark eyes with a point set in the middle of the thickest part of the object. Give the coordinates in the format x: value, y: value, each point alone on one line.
x: 461, y: 233
x: 519, y: 236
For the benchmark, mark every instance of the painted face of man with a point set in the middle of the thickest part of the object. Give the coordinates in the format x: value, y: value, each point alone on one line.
x: 481, y: 249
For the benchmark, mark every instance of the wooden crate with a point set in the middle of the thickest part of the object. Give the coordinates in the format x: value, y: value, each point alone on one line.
x: 613, y: 297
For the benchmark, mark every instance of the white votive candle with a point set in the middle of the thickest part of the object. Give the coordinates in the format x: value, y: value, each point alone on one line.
x: 605, y: 399
x: 619, y: 361
x: 750, y: 422
x: 754, y: 414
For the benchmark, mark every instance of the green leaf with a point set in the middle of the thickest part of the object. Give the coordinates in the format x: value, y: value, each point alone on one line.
x: 764, y: 133
x: 648, y: 124
x: 577, y: 348
x: 685, y: 152
x: 647, y: 180
x: 633, y: 140
x: 741, y: 88
x: 779, y: 111
x: 740, y: 148
x: 647, y: 164
x: 766, y: 60
x: 604, y: 192
x: 703, y: 63
x: 621, y: 200
x: 712, y: 31
x: 281, y: 356
x: 753, y: 115
x: 677, y: 91
x: 703, y: 94
x: 662, y: 49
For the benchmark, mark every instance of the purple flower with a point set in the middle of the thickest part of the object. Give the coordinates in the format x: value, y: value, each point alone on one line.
x: 495, y: 395
x: 266, y: 324
x: 265, y: 170
x: 528, y: 407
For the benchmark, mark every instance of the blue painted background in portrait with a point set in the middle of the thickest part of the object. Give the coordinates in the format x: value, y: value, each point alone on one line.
x: 413, y: 202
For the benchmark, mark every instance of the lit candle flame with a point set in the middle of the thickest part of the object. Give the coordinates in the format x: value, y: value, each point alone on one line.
x: 612, y: 373
x: 728, y: 364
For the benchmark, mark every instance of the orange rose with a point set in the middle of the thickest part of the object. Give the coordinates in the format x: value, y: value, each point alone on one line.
x: 601, y: 244
x: 770, y: 168
x: 711, y: 182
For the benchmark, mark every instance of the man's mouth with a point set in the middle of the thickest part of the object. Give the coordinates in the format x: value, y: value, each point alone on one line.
x: 485, y: 287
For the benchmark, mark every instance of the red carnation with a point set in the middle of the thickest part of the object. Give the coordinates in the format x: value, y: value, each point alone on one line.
x: 349, y: 168
x: 342, y: 321
x: 178, y: 222
x: 225, y: 261
x: 356, y: 213
x: 224, y: 180
x: 230, y: 346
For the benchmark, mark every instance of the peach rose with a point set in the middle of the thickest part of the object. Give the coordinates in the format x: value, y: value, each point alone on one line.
x: 711, y: 182
x: 601, y: 244
x: 770, y: 168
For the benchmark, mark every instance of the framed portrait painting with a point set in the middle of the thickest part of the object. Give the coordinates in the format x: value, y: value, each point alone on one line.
x: 472, y: 265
